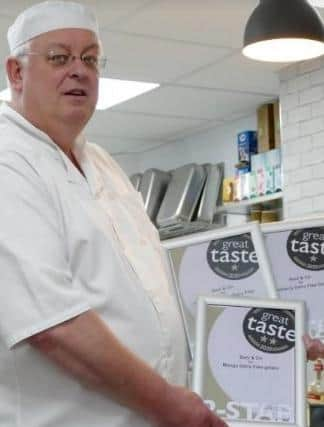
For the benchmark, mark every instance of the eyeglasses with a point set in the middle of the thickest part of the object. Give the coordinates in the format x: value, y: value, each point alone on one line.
x: 60, y: 59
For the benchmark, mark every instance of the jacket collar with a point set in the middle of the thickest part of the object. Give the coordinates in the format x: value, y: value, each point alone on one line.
x: 79, y: 150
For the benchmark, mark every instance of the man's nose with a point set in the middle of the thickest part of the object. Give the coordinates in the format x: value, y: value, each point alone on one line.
x: 77, y: 67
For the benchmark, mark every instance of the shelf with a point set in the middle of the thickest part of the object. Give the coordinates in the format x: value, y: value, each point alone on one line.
x: 243, y: 207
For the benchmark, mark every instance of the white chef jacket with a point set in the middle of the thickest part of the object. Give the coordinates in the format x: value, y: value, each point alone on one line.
x: 70, y: 243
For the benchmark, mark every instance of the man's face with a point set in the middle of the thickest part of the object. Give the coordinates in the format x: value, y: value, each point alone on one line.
x: 53, y: 93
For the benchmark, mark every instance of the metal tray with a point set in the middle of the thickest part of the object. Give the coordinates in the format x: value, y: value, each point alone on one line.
x: 136, y: 180
x: 153, y: 186
x: 210, y: 193
x: 182, y: 195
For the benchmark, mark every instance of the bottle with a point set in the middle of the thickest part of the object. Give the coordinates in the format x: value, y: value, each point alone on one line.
x: 315, y: 389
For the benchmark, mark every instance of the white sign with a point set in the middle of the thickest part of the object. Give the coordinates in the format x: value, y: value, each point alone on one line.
x: 220, y: 262
x: 252, y: 370
x: 296, y: 255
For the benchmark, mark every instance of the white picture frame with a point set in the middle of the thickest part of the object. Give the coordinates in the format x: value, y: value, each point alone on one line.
x: 192, y: 275
x: 295, y: 275
x: 243, y: 379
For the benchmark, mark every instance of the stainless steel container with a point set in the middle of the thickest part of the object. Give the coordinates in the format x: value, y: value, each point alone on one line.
x: 182, y: 195
x: 153, y: 187
x: 136, y: 180
x: 210, y: 193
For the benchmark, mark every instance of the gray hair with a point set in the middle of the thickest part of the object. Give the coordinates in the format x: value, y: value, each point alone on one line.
x: 21, y: 50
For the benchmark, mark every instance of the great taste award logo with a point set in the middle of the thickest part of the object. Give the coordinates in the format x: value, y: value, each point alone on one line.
x: 270, y: 330
x: 233, y: 257
x: 305, y: 247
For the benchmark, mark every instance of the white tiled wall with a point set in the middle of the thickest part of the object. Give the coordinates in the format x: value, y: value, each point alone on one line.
x: 302, y: 115
x: 216, y: 145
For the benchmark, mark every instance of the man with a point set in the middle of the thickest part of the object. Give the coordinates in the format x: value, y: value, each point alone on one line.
x: 89, y: 332
x: 314, y: 347
x: 314, y: 350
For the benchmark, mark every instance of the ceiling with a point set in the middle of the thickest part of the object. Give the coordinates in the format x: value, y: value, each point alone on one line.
x: 192, y: 48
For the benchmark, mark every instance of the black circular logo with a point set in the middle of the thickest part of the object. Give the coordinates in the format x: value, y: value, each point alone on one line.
x: 270, y: 330
x: 233, y: 257
x: 306, y: 248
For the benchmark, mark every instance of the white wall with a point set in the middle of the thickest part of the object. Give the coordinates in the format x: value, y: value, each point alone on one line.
x: 302, y: 115
x: 213, y: 146
x: 128, y: 162
x: 302, y: 120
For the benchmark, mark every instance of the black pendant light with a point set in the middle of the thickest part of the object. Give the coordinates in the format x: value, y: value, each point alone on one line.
x: 284, y: 31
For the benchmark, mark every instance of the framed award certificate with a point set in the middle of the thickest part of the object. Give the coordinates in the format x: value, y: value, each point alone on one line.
x: 231, y: 261
x: 296, y: 254
x: 249, y: 363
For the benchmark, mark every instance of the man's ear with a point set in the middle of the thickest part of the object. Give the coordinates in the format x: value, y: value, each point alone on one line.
x: 14, y: 73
